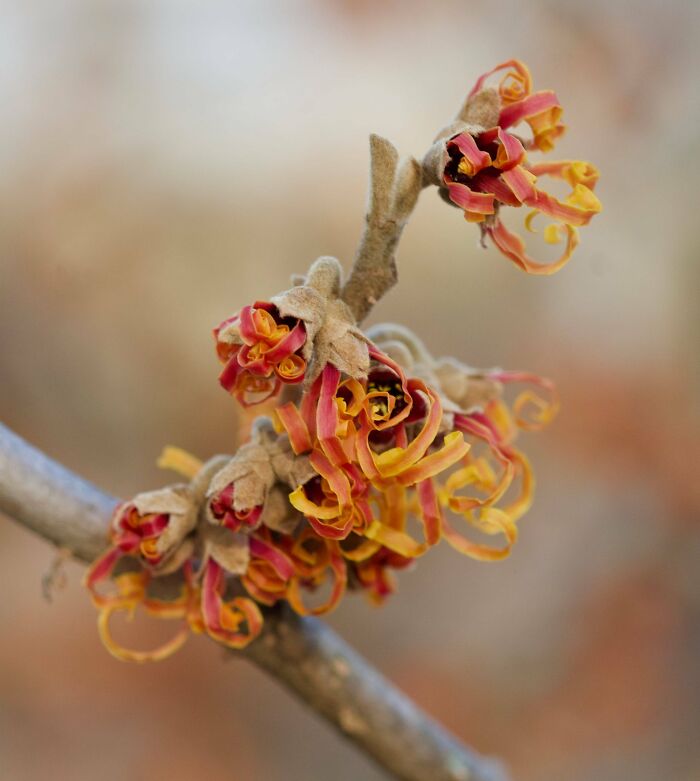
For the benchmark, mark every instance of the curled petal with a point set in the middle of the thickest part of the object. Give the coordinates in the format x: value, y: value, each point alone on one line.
x: 578, y: 209
x: 180, y: 461
x: 309, y: 402
x: 338, y: 484
x: 327, y: 416
x: 130, y: 655
x: 492, y: 429
x: 393, y: 462
x: 258, y: 324
x: 452, y: 450
x: 546, y: 129
x: 267, y: 576
x: 390, y: 529
x: 494, y: 184
x: 528, y: 106
x: 431, y: 512
x: 280, y: 562
x: 337, y: 528
x: 514, y: 85
x: 336, y: 478
x: 222, y: 620
x: 300, y: 501
x: 263, y: 587
x: 251, y: 390
x: 248, y: 327
x: 254, y: 359
x: 132, y: 588
x: 473, y: 159
x: 381, y: 422
x: 523, y: 501
x: 513, y: 248
x: 230, y: 373
x: 510, y: 150
x: 542, y: 112
x: 294, y: 424
x: 521, y: 183
x: 478, y: 472
x: 472, y: 202
x: 98, y: 571
x: 572, y: 171
x: 361, y: 552
x: 350, y: 407
x: 396, y: 540
x: 540, y: 411
x: 490, y: 521
x: 291, y: 369
x: 333, y: 563
x: 288, y: 344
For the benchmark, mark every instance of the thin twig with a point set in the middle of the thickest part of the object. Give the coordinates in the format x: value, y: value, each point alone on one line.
x: 393, y: 192
x: 302, y: 653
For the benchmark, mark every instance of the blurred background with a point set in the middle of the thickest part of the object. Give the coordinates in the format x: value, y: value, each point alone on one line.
x: 164, y: 163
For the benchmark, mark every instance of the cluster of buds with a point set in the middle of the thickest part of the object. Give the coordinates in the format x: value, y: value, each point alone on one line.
x: 377, y: 451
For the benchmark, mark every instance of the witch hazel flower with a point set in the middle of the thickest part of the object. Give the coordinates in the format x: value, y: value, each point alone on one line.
x: 496, y: 476
x: 291, y: 337
x: 152, y: 538
x: 245, y: 492
x: 285, y: 567
x: 368, y: 440
x: 481, y: 165
x: 152, y: 528
x: 260, y: 350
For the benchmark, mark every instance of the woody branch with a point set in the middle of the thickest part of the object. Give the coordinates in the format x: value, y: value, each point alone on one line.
x: 307, y: 657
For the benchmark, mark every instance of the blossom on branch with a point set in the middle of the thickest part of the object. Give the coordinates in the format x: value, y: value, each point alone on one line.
x: 290, y: 338
x: 377, y: 451
x: 481, y: 165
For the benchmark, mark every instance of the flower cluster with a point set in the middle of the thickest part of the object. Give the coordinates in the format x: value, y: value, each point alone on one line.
x: 481, y: 165
x: 322, y: 501
x: 377, y: 450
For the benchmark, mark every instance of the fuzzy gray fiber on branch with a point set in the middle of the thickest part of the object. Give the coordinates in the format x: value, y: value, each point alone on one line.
x: 302, y: 653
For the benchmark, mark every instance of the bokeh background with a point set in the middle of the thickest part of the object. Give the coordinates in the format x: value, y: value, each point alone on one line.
x: 164, y: 163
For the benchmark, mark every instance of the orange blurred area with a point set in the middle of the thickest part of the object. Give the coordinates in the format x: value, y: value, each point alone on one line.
x: 164, y: 164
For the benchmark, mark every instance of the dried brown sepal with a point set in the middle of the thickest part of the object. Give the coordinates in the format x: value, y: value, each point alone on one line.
x: 332, y: 335
x: 290, y: 469
x: 277, y: 513
x: 228, y: 549
x: 180, y: 555
x: 482, y: 109
x: 467, y: 388
x: 249, y: 470
x: 176, y: 541
x: 256, y: 471
x: 479, y: 113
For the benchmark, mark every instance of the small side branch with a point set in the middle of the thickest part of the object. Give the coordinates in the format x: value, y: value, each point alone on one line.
x: 393, y: 192
x: 302, y: 653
